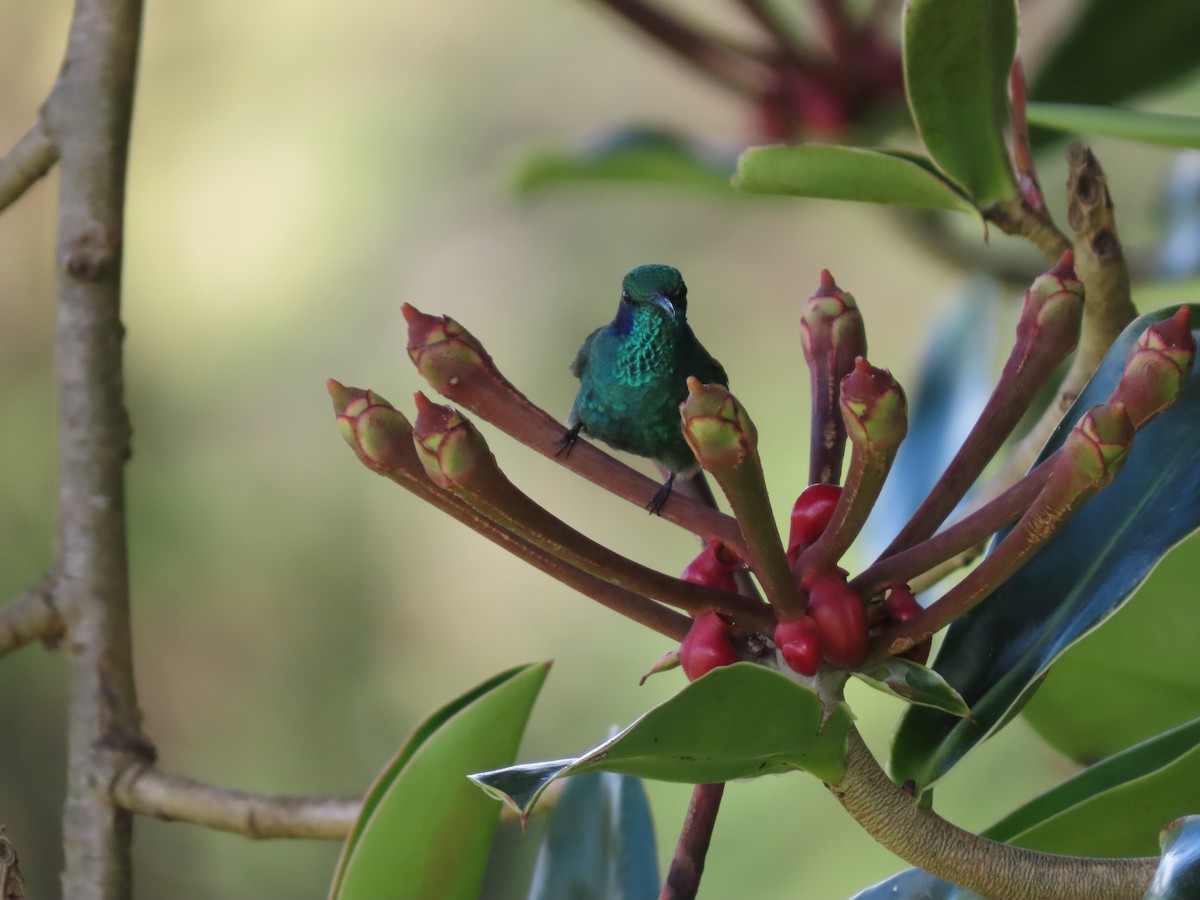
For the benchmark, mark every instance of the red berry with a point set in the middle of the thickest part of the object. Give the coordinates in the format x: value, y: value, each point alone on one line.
x: 799, y: 640
x: 714, y: 567
x: 706, y: 646
x: 811, y: 515
x: 841, y: 617
x: 900, y: 604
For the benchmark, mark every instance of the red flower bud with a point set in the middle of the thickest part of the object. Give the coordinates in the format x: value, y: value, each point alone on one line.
x: 841, y: 617
x: 900, y: 605
x: 810, y: 516
x: 799, y: 640
x: 706, y: 646
x: 714, y: 566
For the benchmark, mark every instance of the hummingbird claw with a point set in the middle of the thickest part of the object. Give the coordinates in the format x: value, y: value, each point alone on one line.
x: 567, y: 441
x: 659, y: 500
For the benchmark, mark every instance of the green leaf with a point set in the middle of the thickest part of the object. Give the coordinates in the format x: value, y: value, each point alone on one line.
x: 738, y: 721
x: 1114, y: 808
x: 957, y: 56
x: 599, y: 844
x: 1178, y: 875
x: 847, y: 173
x: 914, y: 683
x: 1100, y: 697
x: 1162, y: 129
x: 997, y: 654
x: 424, y: 831
x: 1097, y: 62
x: 635, y: 155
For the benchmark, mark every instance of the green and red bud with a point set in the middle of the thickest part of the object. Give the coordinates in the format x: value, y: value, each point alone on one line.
x: 1095, y: 449
x: 874, y: 409
x: 449, y: 447
x: 441, y: 349
x: 799, y: 642
x: 716, y: 426
x: 1158, y: 367
x: 706, y: 646
x: 377, y: 431
x: 831, y: 328
x: 714, y: 566
x: 1053, y: 307
x: 811, y: 515
x: 841, y: 618
x: 833, y: 336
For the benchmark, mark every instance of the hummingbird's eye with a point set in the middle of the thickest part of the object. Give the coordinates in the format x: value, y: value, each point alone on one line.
x: 625, y: 296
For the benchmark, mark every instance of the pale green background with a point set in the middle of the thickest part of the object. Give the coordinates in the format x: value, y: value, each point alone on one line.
x: 298, y: 171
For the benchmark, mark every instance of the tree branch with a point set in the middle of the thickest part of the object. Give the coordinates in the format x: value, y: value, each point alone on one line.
x: 29, y: 159
x: 29, y: 617
x: 923, y: 838
x: 144, y: 789
x: 88, y: 116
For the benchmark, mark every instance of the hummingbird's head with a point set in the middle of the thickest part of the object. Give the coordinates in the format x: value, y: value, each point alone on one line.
x: 661, y: 286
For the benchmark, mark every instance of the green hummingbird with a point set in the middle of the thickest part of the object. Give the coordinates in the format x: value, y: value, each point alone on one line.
x: 633, y: 375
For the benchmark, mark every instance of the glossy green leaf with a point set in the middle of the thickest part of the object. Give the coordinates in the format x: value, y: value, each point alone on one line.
x: 1161, y: 129
x: 738, y: 721
x: 401, y: 845
x: 957, y: 57
x: 599, y: 844
x: 1113, y: 808
x: 997, y: 654
x: 1100, y: 697
x: 636, y: 155
x: 915, y: 684
x: 1097, y: 62
x: 847, y: 173
x: 1178, y: 875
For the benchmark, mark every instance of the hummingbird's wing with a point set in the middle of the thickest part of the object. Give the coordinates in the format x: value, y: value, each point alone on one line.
x: 580, y: 362
x: 707, y: 369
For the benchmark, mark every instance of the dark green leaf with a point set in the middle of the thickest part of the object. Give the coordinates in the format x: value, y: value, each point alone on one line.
x: 599, y: 844
x: 401, y: 845
x: 635, y: 155
x: 1100, y: 697
x: 738, y: 721
x: 914, y: 683
x: 957, y: 56
x: 1097, y: 62
x: 847, y: 173
x: 1114, y: 808
x: 996, y: 654
x: 1162, y: 129
x: 1178, y: 875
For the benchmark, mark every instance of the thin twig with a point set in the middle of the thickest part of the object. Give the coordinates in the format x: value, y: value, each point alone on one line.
x: 31, y: 616
x: 146, y: 790
x: 88, y: 116
x: 687, y: 865
x: 29, y: 159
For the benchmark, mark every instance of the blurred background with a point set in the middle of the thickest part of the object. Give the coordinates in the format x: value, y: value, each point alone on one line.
x: 299, y: 171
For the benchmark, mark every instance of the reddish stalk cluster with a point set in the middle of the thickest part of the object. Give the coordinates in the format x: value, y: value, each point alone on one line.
x: 814, y: 615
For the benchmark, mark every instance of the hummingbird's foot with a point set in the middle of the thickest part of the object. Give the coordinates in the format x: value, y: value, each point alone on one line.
x: 659, y: 500
x: 567, y: 441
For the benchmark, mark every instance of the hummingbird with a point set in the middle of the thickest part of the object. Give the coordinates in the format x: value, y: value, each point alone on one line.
x: 633, y: 375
